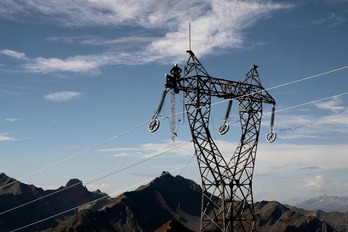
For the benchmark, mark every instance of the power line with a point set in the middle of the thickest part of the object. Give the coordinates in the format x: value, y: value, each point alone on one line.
x: 139, y: 161
x: 99, y: 176
x: 312, y: 102
x: 187, y: 164
x: 309, y: 77
x: 101, y: 198
x: 75, y: 154
x: 304, y: 104
x: 142, y: 161
x: 133, y: 163
x: 141, y: 125
x: 311, y: 124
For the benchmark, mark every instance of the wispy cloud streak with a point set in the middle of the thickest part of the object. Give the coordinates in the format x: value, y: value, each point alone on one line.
x: 13, y: 54
x: 62, y: 96
x: 334, y: 104
x: 216, y: 26
x: 5, y: 137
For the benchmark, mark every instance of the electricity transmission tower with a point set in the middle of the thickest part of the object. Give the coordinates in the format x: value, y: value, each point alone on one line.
x: 227, y: 199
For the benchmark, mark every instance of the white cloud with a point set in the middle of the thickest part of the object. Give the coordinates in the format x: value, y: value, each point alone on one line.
x: 89, y: 64
x: 101, y: 13
x: 335, y: 105
x: 5, y: 137
x: 120, y: 149
x: 103, y: 187
x: 316, y: 183
x: 291, y: 157
x: 309, y: 122
x: 324, y: 184
x: 216, y: 25
x: 97, y: 40
x: 13, y: 54
x: 118, y: 155
x: 11, y: 119
x: 283, y: 171
x: 51, y: 187
x: 62, y: 96
x: 72, y: 64
x: 149, y: 150
x: 333, y: 20
x: 286, y: 156
x: 177, y: 148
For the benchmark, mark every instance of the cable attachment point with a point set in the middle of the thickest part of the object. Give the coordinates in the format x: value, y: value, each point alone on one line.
x: 172, y: 79
x: 223, y: 129
x: 271, y: 135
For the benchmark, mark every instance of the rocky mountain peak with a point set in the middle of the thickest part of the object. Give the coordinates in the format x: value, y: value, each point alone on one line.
x: 73, y: 182
x: 4, y: 179
x: 59, y: 200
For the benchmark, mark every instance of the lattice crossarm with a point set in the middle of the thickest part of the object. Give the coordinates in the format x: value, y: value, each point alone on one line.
x: 227, y: 89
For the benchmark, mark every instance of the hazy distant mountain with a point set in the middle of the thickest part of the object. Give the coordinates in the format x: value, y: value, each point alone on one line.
x: 17, y: 193
x: 326, y: 203
x: 273, y: 216
x: 166, y: 204
x: 337, y: 220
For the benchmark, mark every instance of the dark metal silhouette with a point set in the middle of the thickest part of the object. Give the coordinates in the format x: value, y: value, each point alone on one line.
x: 227, y: 199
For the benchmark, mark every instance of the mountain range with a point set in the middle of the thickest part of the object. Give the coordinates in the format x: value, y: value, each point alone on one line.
x: 167, y: 203
x: 45, y: 203
x: 326, y: 203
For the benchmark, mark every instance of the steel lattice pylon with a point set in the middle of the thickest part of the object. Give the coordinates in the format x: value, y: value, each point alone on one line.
x: 227, y: 199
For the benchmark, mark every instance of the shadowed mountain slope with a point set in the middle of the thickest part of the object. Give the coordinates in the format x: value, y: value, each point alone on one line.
x: 145, y: 209
x: 71, y: 195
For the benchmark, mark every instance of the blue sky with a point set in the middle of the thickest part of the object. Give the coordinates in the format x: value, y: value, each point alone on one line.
x: 77, y: 73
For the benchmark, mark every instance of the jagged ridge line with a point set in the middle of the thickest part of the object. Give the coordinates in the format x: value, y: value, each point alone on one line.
x: 96, y: 178
x: 91, y: 202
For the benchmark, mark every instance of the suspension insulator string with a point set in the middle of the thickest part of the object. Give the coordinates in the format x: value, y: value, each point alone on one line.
x: 160, y: 106
x: 272, y: 117
x: 172, y: 123
x: 155, y: 123
x: 223, y: 129
x: 227, y: 115
x: 271, y: 135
